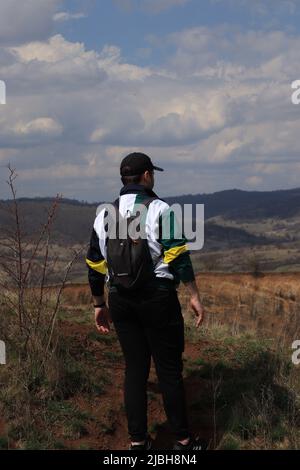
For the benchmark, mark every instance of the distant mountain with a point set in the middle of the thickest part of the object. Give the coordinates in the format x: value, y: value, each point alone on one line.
x: 218, y: 237
x: 74, y: 219
x: 245, y: 205
x: 72, y: 223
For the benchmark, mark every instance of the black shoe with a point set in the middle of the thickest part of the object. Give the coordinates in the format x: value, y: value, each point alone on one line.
x: 143, y: 447
x: 193, y: 444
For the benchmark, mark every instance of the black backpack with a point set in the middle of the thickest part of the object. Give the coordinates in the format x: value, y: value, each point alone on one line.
x: 129, y: 261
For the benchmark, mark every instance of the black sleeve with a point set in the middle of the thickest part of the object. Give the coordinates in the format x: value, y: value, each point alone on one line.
x: 96, y: 266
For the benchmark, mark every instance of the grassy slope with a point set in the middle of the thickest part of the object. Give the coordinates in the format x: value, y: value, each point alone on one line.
x: 242, y: 392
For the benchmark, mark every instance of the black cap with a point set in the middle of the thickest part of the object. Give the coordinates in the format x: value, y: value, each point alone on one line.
x: 137, y: 163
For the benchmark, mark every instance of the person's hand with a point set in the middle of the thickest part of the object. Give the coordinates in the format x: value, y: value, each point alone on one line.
x: 102, y: 319
x: 198, y: 309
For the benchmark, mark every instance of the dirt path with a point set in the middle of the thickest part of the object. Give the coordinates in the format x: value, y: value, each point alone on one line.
x: 108, y: 429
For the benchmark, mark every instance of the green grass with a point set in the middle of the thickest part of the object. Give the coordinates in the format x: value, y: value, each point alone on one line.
x: 246, y: 389
x: 63, y: 411
x: 243, y: 391
x: 105, y: 339
x: 229, y: 442
x: 113, y: 356
x: 81, y: 315
x: 70, y: 418
x: 75, y: 429
x: 108, y: 428
x: 30, y: 437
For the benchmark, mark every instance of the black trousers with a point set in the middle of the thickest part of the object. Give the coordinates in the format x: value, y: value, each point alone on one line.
x: 150, y: 323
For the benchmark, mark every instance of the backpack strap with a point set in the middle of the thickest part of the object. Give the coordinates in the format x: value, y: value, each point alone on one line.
x: 146, y: 203
x: 116, y: 203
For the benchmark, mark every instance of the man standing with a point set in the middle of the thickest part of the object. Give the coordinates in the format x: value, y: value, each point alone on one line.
x: 148, y: 321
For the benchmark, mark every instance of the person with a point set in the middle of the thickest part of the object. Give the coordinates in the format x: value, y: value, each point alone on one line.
x: 148, y: 321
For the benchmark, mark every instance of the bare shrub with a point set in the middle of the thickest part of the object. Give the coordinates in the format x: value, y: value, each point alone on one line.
x: 29, y: 305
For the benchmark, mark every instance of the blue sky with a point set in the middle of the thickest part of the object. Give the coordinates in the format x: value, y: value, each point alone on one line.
x: 203, y: 87
x: 130, y: 24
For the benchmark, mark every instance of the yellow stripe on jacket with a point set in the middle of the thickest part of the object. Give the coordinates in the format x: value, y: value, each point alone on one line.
x: 99, y: 266
x: 173, y: 253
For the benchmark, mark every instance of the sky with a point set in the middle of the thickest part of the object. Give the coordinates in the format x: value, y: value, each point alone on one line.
x: 202, y: 86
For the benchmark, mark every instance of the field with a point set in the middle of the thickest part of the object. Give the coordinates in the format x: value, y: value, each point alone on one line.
x: 243, y: 390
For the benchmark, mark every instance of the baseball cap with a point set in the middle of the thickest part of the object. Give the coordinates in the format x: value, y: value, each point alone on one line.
x: 137, y: 163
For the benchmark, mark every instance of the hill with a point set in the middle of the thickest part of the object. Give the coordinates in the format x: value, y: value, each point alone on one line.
x: 246, y: 205
x: 239, y: 224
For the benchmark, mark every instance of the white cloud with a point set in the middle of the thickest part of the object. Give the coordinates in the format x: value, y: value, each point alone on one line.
x: 218, y: 107
x: 226, y: 52
x: 269, y: 168
x: 26, y: 20
x: 35, y: 132
x: 60, y: 63
x: 56, y: 49
x: 111, y: 61
x: 98, y: 135
x: 63, y: 16
x: 39, y: 126
x: 55, y: 65
x: 254, y: 180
